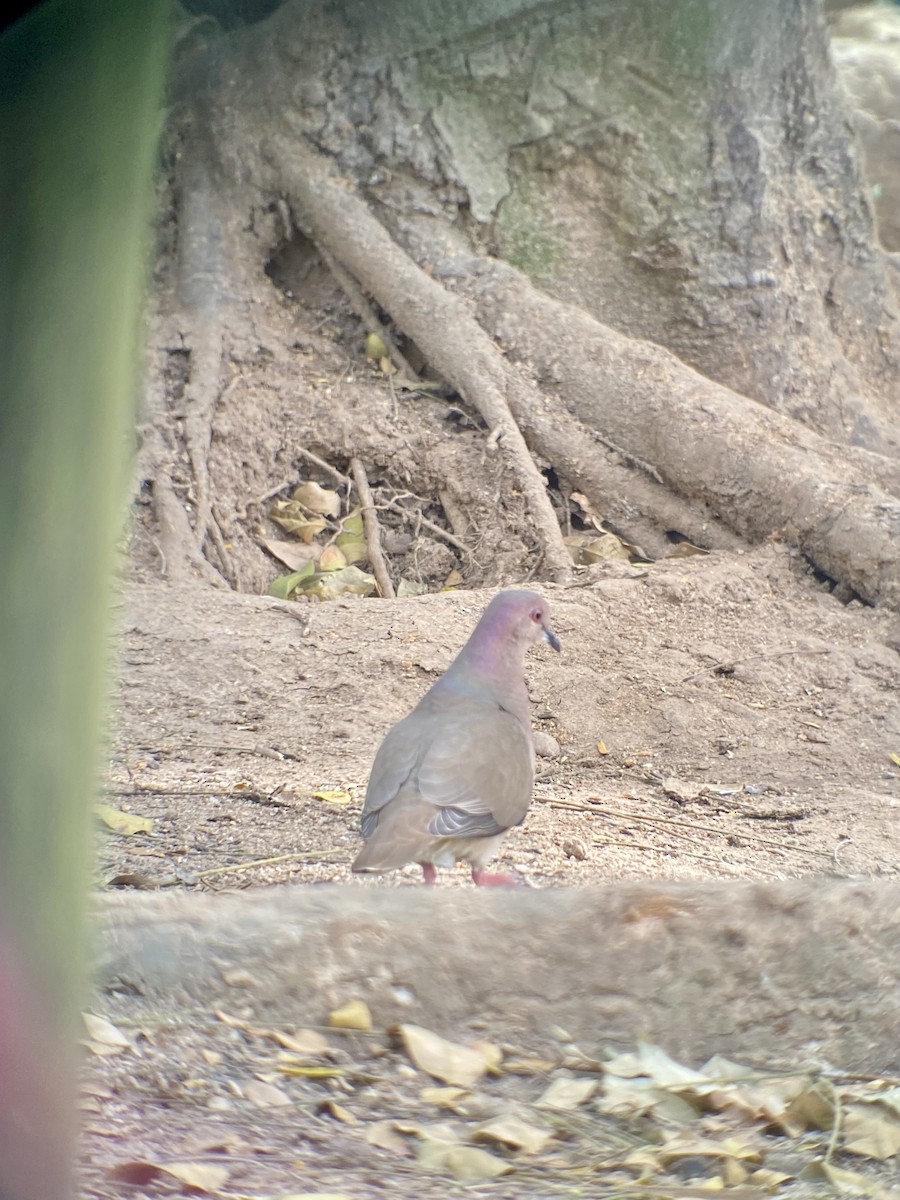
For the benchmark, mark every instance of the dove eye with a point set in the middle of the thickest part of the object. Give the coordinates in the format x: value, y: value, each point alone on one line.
x: 536, y: 616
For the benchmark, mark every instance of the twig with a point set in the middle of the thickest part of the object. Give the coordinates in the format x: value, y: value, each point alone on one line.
x: 838, y: 1121
x: 322, y: 464
x: 674, y: 825
x: 372, y: 530
x: 300, y: 855
x: 656, y: 849
x: 729, y: 664
x: 435, y: 529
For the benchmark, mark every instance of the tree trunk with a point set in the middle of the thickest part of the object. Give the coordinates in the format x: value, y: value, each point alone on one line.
x: 682, y: 175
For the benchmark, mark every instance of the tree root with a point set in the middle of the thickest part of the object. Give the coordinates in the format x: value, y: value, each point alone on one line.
x: 440, y: 323
x: 372, y: 531
x: 761, y: 472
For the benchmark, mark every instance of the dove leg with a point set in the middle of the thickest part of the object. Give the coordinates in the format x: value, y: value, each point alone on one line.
x: 428, y: 870
x: 482, y: 878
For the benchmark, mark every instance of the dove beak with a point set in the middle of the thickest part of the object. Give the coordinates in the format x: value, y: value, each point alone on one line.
x: 550, y: 636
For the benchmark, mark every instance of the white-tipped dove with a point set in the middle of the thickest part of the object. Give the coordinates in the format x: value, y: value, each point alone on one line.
x: 451, y: 778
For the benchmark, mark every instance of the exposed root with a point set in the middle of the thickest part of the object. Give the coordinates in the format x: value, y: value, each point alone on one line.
x: 440, y: 323
x: 372, y: 531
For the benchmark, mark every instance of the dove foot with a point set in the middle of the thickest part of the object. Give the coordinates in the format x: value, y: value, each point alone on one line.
x: 430, y: 872
x: 482, y: 878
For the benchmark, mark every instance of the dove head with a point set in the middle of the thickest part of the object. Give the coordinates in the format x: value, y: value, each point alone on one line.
x: 491, y: 661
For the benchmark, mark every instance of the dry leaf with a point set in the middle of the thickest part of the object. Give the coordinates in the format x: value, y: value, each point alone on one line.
x: 353, y: 1015
x: 453, y: 580
x: 293, y: 554
x: 290, y: 516
x: 313, y: 496
x: 464, y: 1163
x: 265, y: 1095
x: 304, y: 1041
x: 514, y: 1132
x: 104, y: 1033
x: 447, y: 1061
x: 338, y: 1112
x: 685, y: 549
x: 315, y: 1196
x: 871, y: 1130
x: 122, y: 822
x: 200, y: 1177
x: 411, y: 587
x: 333, y: 796
x: 444, y: 1097
x: 895, y: 758
x: 849, y: 1183
x: 567, y: 1092
x: 385, y: 1136
x: 348, y: 581
x: 300, y: 1070
x: 589, y: 548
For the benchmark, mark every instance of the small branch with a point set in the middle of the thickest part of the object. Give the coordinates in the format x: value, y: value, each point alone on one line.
x: 730, y: 664
x: 373, y: 530
x: 675, y: 826
x: 321, y: 464
x: 299, y: 856
x: 429, y: 525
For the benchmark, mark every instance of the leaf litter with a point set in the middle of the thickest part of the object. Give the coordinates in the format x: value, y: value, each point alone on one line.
x: 630, y: 1123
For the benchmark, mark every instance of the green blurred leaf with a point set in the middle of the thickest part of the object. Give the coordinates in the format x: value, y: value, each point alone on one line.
x: 283, y: 586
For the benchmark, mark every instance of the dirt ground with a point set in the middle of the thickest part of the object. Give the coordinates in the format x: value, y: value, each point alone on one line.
x: 720, y: 716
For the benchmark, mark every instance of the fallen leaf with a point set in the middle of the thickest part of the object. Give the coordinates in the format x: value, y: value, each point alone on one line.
x: 444, y: 1097
x: 464, y: 1163
x: 293, y: 554
x: 344, y: 1115
x: 512, y: 1131
x: 352, y: 1015
x: 348, y: 581
x: 200, y: 1177
x: 283, y: 587
x: 104, y: 1032
x: 410, y: 587
x: 290, y: 516
x: 447, y: 1061
x: 870, y: 1130
x: 453, y: 580
x: 601, y: 748
x: 332, y: 559
x: 313, y: 496
x: 122, y: 822
x: 333, y: 796
x: 588, y: 548
x: 895, y: 758
x: 850, y: 1183
x: 315, y: 1196
x: 566, y: 1093
x: 385, y: 1135
x: 685, y: 549
x: 265, y: 1095
x: 301, y: 1070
